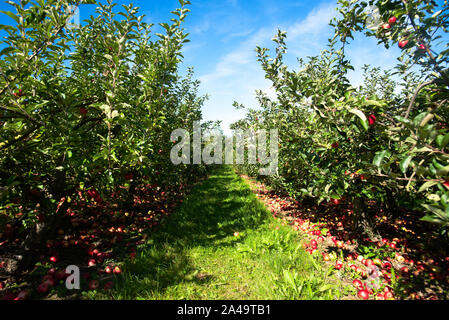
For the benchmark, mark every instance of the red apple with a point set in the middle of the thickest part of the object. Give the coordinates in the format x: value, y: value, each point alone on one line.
x: 61, y: 275
x: 369, y: 262
x: 8, y: 296
x: 388, y: 295
x: 19, y: 93
x: 392, y: 20
x: 363, y: 294
x: 380, y: 296
x: 50, y: 282
x: 117, y: 270
x: 94, y: 284
x: 357, y: 283
x: 42, y: 288
x: 402, y: 44
x: 22, y: 295
x: 377, y: 262
x: 83, y: 111
x: 336, y: 201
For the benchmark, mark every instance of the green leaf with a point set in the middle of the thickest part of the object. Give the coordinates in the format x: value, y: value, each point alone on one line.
x: 380, y: 156
x: 363, y: 119
x: 11, y: 15
x: 405, y: 163
x: 288, y: 277
x: 423, y: 149
x: 442, y: 141
x: 431, y: 219
x: 6, y: 27
x: 419, y: 118
x: 426, y: 119
x: 325, y: 288
x: 437, y: 211
x: 7, y: 50
x: 427, y: 185
x: 373, y: 103
x: 403, y: 120
x: 443, y: 171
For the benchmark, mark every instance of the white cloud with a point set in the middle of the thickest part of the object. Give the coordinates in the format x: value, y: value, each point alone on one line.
x: 238, y: 61
x: 237, y: 73
x: 316, y: 23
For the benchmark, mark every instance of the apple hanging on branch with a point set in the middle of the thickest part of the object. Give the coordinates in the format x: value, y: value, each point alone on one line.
x: 403, y: 43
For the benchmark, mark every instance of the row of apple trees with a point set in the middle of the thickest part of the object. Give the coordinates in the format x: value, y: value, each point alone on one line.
x: 386, y: 140
x: 87, y: 108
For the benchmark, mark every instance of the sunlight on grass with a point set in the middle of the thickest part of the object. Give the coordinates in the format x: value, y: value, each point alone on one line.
x: 196, y: 255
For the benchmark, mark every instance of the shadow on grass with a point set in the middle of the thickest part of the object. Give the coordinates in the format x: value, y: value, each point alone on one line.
x: 220, y: 206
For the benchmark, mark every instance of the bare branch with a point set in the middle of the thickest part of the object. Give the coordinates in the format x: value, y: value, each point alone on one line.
x: 415, y: 95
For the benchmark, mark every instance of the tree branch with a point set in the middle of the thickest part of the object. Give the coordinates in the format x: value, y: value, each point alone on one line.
x: 415, y: 95
x: 22, y: 137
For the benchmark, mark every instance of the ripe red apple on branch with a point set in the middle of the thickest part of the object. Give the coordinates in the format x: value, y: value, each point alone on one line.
x: 83, y: 111
x: 19, y: 93
x: 422, y: 47
x: 129, y: 176
x: 403, y: 43
x: 446, y: 184
x: 117, y: 270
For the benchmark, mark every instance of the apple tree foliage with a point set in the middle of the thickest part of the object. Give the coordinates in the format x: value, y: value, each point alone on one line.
x: 386, y: 140
x: 88, y: 107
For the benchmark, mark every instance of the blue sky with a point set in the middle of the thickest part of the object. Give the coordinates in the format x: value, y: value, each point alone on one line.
x: 225, y: 33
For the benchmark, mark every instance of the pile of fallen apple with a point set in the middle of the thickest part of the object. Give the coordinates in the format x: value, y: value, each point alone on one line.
x: 97, y: 236
x: 398, y: 266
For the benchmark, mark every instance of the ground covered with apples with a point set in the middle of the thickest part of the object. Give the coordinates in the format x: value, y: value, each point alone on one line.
x: 222, y: 243
x: 229, y: 237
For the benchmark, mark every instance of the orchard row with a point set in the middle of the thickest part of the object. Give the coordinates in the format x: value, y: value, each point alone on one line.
x: 384, y: 141
x: 86, y: 112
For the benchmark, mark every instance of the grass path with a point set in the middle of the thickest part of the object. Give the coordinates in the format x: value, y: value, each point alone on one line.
x: 195, y: 254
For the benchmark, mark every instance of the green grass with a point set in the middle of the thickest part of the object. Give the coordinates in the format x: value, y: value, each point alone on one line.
x: 195, y: 254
